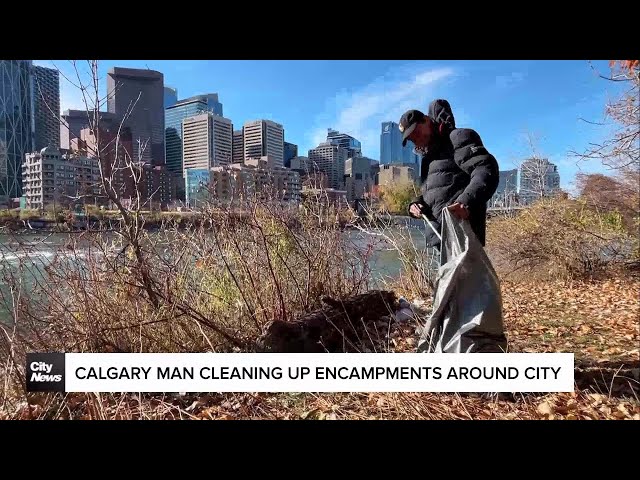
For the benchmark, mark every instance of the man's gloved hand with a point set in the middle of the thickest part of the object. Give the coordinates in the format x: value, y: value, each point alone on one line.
x: 459, y: 210
x: 415, y: 210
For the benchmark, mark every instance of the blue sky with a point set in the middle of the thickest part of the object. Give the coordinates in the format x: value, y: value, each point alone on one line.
x: 507, y: 102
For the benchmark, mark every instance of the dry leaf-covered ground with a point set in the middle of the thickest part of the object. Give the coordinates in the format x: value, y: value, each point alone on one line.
x: 598, y: 321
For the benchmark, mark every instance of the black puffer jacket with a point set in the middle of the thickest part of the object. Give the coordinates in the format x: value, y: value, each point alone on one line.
x: 456, y: 168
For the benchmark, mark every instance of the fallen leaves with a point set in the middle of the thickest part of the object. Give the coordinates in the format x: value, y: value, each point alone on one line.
x: 545, y: 408
x: 593, y: 319
x: 598, y: 321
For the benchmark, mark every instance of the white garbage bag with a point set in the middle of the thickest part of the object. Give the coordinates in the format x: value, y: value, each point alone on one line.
x: 467, y: 304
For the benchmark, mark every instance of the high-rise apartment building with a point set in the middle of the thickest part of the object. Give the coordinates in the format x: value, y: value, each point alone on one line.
x: 330, y: 159
x: 264, y: 138
x: 51, y: 177
x: 391, y: 149
x: 16, y: 124
x: 136, y: 96
x: 46, y: 107
x: 207, y: 141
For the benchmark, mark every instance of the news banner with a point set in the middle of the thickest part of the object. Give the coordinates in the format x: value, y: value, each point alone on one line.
x: 300, y: 372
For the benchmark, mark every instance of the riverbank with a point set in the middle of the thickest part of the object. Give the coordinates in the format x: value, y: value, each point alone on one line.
x: 16, y: 222
x: 574, y: 319
x: 219, y: 290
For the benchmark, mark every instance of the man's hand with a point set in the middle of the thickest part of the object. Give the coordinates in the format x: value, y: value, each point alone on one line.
x: 415, y: 210
x: 459, y: 210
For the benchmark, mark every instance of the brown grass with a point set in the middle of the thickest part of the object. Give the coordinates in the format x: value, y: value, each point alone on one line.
x: 221, y: 282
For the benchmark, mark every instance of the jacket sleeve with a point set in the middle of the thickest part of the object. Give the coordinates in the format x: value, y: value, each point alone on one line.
x: 473, y: 158
x: 426, y: 209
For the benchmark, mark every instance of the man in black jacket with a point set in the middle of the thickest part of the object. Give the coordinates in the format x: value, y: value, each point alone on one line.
x: 457, y: 171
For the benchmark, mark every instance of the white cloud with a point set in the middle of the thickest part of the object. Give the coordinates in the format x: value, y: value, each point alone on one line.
x: 360, y: 113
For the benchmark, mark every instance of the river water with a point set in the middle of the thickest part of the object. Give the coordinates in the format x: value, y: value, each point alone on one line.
x: 36, y: 250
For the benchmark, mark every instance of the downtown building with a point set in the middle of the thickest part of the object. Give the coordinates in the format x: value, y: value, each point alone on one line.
x: 132, y: 180
x: 207, y: 141
x: 349, y: 143
x: 290, y: 151
x: 72, y: 122
x: 538, y: 178
x: 16, y: 125
x: 391, y: 149
x: 330, y: 160
x: 264, y: 138
x: 359, y: 181
x: 174, y: 116
x: 170, y: 96
x: 506, y: 194
x: 310, y: 174
x: 239, y: 185
x: 60, y: 179
x: 238, y: 147
x: 393, y: 174
x: 46, y: 107
x: 136, y: 97
x: 29, y: 119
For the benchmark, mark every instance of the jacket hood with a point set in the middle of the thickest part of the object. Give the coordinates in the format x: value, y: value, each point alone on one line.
x: 441, y: 113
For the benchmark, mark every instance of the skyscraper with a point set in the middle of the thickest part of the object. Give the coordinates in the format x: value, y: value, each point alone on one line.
x: 16, y: 132
x: 170, y: 96
x: 175, y: 114
x: 213, y: 103
x: 290, y: 151
x: 46, y: 107
x: 353, y: 146
x: 264, y: 138
x: 72, y: 122
x: 391, y: 149
x: 330, y: 159
x: 207, y: 141
x: 141, y: 93
x: 238, y: 146
x: 538, y: 178
x: 507, y: 189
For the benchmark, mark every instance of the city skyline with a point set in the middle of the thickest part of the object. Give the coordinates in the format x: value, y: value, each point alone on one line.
x: 503, y: 100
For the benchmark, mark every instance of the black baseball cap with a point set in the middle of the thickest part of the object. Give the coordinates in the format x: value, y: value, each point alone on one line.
x: 408, y: 123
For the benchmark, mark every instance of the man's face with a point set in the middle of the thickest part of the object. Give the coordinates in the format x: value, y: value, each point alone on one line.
x: 421, y: 135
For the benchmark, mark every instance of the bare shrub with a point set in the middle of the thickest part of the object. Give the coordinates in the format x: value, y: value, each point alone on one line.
x: 558, y: 237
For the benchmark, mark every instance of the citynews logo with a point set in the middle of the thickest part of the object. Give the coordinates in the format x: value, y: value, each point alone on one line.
x: 45, y: 372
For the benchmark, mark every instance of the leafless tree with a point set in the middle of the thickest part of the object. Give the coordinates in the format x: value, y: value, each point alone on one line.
x: 537, y: 179
x: 620, y: 150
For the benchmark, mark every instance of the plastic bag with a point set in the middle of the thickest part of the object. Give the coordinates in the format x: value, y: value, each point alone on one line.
x: 467, y: 304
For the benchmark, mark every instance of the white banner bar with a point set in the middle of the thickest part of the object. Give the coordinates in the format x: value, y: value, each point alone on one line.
x: 325, y: 372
